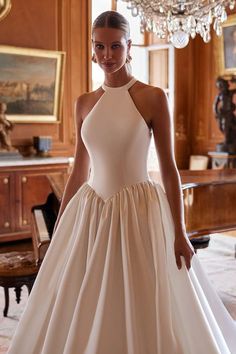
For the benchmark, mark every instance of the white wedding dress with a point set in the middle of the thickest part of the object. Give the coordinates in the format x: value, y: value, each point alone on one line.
x: 109, y: 283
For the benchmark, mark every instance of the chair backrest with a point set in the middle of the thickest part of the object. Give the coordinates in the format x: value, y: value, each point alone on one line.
x: 198, y: 162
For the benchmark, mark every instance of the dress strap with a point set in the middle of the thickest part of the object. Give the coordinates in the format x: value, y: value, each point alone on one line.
x: 123, y: 87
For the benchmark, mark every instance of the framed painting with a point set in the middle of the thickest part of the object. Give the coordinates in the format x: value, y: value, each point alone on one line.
x: 31, y: 84
x: 227, y: 47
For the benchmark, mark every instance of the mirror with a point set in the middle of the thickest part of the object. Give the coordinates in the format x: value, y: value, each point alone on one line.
x: 5, y: 7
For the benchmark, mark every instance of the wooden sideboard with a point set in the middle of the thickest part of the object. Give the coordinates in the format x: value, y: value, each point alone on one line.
x: 23, y: 184
x: 209, y: 200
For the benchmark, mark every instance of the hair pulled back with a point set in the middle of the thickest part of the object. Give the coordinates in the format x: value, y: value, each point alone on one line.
x: 112, y: 19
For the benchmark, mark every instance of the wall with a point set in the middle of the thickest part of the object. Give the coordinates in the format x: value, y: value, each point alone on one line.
x: 196, y: 130
x: 183, y: 104
x: 52, y: 25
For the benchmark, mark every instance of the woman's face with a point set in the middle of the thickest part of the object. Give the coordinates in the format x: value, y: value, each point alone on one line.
x: 110, y: 48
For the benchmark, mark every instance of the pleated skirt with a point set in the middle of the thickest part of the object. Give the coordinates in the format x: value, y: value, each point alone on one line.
x: 109, y: 284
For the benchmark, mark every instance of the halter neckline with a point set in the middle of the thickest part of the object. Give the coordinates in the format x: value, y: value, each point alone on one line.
x: 126, y: 86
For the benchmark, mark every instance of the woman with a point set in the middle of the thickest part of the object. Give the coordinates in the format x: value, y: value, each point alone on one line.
x: 113, y: 280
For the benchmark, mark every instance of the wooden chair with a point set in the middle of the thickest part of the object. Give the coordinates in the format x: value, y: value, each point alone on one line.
x: 17, y: 269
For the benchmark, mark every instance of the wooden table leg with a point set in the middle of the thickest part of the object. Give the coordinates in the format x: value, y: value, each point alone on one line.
x: 6, y: 292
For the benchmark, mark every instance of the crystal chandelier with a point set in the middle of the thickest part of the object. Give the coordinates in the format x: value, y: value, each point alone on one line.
x: 179, y: 19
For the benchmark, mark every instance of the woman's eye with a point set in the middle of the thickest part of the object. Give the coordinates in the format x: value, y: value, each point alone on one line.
x: 99, y: 46
x: 115, y: 46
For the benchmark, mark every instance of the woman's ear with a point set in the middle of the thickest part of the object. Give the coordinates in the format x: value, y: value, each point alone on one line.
x: 129, y: 43
x: 94, y: 58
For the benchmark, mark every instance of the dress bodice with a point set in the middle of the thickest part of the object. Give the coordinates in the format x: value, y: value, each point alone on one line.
x: 117, y: 139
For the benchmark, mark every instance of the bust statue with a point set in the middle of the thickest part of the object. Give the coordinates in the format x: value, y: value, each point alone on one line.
x: 224, y: 109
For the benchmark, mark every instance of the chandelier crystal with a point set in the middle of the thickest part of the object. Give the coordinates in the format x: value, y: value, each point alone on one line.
x: 178, y: 20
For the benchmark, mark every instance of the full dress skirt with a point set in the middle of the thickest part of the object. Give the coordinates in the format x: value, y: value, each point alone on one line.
x: 109, y: 284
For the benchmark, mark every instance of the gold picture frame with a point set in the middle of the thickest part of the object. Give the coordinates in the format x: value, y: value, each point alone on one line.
x: 31, y: 84
x: 226, y: 48
x: 5, y: 7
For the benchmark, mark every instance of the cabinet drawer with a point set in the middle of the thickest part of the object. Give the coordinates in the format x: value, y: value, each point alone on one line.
x: 33, y: 190
x: 23, y: 186
x: 6, y: 203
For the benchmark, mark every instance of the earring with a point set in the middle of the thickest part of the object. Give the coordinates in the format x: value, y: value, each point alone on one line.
x: 94, y: 58
x: 129, y: 58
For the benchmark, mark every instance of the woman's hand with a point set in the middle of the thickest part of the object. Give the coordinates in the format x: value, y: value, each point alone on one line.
x: 183, y: 248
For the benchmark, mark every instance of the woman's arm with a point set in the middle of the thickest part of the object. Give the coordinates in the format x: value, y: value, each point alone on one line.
x: 162, y: 131
x: 80, y: 169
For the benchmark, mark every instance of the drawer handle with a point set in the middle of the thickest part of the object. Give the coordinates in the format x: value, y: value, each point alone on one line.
x: 5, y: 180
x: 25, y: 222
x: 24, y: 179
x: 6, y: 224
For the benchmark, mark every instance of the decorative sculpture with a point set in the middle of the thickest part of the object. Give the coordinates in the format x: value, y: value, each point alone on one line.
x: 225, y: 111
x: 6, y: 148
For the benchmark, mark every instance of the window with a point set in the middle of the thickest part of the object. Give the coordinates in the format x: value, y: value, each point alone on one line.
x: 99, y: 6
x: 135, y: 34
x: 161, y: 74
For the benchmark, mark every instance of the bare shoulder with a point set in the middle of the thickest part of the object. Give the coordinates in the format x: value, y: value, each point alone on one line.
x: 152, y: 92
x: 85, y: 102
x: 153, y: 99
x: 85, y: 98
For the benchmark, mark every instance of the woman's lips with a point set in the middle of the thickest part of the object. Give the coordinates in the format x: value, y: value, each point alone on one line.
x: 108, y: 65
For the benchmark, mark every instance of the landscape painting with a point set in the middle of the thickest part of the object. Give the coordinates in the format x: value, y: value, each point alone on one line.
x: 31, y: 83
